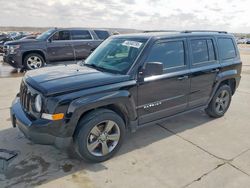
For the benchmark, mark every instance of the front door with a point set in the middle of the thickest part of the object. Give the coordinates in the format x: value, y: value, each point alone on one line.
x: 59, y: 47
x: 166, y: 94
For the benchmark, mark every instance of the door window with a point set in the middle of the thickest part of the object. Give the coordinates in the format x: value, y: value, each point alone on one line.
x: 81, y: 35
x: 202, y: 51
x: 101, y: 34
x: 227, y: 48
x: 171, y: 54
x: 61, y: 35
x: 211, y: 53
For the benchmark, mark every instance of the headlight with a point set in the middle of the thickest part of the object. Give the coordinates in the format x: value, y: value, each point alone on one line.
x: 38, y: 103
x: 13, y: 48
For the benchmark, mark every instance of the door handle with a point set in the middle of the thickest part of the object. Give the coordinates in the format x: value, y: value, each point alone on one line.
x: 215, y: 70
x: 182, y: 77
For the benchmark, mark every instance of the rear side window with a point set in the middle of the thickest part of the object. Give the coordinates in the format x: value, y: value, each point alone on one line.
x: 227, y: 48
x: 202, y: 51
x: 101, y: 34
x: 171, y: 54
x: 61, y: 35
x: 80, y: 35
x: 211, y: 53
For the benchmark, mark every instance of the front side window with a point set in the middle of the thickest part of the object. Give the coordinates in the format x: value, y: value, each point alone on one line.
x: 227, y: 48
x: 171, y: 54
x: 61, y: 35
x: 116, y: 55
x: 80, y: 35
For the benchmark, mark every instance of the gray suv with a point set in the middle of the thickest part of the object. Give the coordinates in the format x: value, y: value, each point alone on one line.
x: 52, y: 46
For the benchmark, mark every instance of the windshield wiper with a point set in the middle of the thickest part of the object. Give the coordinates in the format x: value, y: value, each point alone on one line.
x: 89, y: 65
x: 99, y: 68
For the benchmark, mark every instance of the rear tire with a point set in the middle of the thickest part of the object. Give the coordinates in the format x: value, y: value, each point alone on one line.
x: 33, y: 61
x: 220, y: 102
x: 99, y: 135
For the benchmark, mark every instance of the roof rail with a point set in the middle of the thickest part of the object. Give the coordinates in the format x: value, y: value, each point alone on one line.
x: 155, y: 31
x: 193, y: 31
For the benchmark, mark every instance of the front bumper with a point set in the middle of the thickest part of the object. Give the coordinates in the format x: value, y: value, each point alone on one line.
x: 37, y: 131
x: 15, y: 60
x: 1, y: 49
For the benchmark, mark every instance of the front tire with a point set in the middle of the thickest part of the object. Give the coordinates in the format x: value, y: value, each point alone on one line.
x: 220, y: 102
x: 33, y: 61
x: 99, y: 135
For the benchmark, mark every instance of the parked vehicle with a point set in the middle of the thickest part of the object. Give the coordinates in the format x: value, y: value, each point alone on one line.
x: 2, y: 35
x: 247, y: 41
x: 128, y: 82
x: 29, y: 37
x: 53, y: 45
x: 7, y: 38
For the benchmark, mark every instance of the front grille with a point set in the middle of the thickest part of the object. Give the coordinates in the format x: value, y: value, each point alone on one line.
x: 25, y: 97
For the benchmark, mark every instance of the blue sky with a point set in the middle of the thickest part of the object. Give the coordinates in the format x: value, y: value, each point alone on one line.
x: 230, y: 15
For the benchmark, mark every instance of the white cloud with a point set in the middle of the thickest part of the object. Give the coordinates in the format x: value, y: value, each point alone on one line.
x: 231, y: 15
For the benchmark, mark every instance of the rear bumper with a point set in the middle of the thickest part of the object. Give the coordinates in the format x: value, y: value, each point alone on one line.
x: 237, y: 80
x: 38, y: 130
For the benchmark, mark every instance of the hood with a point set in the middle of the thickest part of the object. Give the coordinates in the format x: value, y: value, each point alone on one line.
x: 20, y: 42
x: 62, y: 79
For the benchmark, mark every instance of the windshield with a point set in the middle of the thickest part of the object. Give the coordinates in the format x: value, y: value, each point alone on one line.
x: 45, y: 35
x: 116, y: 55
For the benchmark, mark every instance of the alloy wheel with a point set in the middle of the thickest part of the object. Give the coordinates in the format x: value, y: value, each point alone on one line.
x: 34, y: 62
x: 103, y: 138
x: 222, y: 101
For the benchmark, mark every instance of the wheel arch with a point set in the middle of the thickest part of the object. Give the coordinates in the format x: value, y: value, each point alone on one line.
x: 40, y: 52
x: 230, y: 81
x: 122, y: 104
x: 117, y: 108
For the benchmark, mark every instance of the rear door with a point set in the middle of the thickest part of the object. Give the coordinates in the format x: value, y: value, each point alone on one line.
x: 59, y: 47
x: 82, y: 43
x: 204, y: 68
x: 166, y: 94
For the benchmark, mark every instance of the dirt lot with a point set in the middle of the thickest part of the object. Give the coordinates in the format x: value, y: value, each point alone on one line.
x: 190, y: 151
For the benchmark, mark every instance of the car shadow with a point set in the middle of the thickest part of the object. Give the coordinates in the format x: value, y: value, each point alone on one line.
x: 40, y: 164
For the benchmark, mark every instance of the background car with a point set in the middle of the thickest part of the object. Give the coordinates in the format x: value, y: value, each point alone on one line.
x: 29, y: 37
x: 247, y: 41
x: 66, y: 44
x: 241, y: 41
x: 11, y: 37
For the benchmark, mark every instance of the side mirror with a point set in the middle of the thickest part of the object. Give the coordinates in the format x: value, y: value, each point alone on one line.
x: 50, y: 40
x: 153, y: 68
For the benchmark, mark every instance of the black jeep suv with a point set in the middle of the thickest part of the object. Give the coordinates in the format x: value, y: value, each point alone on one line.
x: 53, y: 45
x: 128, y: 82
